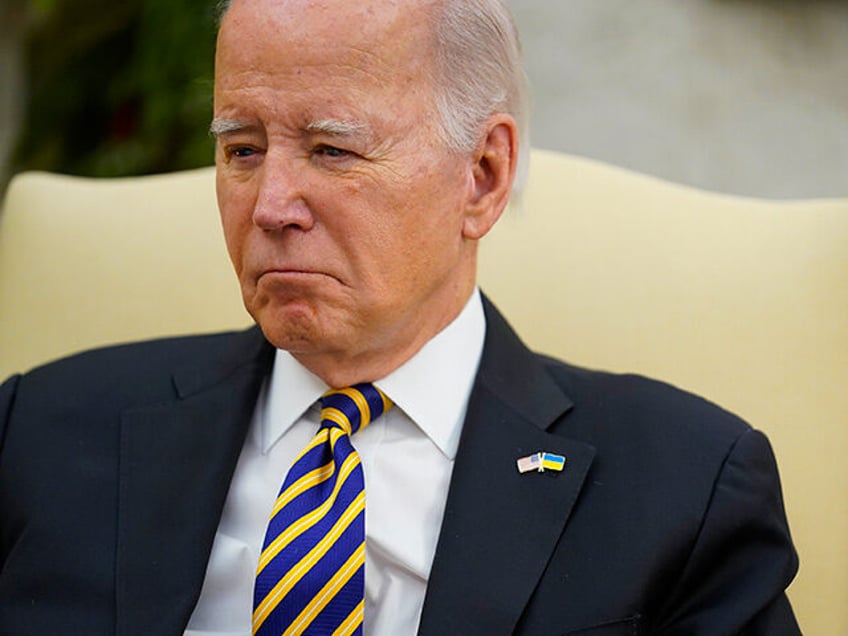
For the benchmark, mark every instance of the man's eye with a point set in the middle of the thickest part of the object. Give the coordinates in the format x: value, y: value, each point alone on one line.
x: 243, y: 152
x: 332, y: 151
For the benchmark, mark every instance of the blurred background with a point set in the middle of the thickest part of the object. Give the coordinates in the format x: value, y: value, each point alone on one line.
x: 103, y: 88
x: 741, y: 96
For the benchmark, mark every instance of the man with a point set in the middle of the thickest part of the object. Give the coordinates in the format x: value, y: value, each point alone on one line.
x: 363, y: 150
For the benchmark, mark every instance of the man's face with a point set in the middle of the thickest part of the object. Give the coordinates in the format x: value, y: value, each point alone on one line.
x: 342, y: 211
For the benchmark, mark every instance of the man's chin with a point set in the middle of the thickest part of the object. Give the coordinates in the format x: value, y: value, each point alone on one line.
x: 301, y: 325
x: 291, y: 327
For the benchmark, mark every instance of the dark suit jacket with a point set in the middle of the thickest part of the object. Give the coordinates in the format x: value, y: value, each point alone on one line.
x: 668, y: 519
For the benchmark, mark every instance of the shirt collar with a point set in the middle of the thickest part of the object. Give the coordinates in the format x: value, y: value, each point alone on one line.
x: 445, y: 367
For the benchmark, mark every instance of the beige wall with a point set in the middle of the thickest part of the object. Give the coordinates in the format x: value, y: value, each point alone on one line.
x: 743, y: 96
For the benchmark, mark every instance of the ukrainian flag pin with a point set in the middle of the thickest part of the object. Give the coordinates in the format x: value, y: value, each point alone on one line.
x: 552, y: 462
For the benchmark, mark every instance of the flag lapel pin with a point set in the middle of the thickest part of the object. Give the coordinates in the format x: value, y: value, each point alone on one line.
x: 540, y: 462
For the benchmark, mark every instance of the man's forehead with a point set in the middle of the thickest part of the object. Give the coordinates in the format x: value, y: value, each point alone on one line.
x: 313, y: 80
x: 369, y: 15
x: 323, y: 51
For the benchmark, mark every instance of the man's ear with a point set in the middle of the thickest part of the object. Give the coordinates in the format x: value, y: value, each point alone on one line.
x: 493, y: 171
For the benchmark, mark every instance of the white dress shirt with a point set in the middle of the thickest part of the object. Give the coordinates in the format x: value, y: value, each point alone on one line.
x: 407, y: 457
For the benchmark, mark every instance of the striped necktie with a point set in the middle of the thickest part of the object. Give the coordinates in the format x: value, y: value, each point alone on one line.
x: 311, y: 573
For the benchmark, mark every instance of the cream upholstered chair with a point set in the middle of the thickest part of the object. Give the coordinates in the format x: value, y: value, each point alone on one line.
x: 741, y: 300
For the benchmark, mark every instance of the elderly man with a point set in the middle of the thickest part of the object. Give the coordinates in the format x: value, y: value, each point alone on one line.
x: 363, y: 150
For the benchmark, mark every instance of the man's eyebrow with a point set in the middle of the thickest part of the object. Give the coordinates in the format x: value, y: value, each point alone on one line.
x: 337, y: 127
x: 222, y: 126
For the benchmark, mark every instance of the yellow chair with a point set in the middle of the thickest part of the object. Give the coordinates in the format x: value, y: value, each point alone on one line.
x: 743, y: 301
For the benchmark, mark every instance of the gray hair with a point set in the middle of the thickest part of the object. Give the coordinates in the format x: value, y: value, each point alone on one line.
x: 478, y: 72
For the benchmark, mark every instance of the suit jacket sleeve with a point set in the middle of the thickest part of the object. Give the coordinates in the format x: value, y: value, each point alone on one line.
x: 7, y: 396
x: 742, y: 559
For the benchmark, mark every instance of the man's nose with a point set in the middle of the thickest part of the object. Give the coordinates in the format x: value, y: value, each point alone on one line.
x: 281, y: 200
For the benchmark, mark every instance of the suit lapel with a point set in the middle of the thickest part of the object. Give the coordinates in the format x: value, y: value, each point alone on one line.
x: 176, y: 463
x: 501, y: 526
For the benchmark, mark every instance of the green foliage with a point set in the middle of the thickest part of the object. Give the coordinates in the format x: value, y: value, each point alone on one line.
x: 118, y: 88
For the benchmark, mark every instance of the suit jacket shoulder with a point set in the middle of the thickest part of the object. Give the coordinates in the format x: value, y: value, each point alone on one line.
x: 146, y: 369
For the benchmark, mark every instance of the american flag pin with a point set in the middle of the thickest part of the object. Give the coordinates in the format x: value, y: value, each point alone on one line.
x: 540, y: 462
x: 530, y: 463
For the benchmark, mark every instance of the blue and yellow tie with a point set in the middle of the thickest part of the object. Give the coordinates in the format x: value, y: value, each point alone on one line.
x: 311, y: 573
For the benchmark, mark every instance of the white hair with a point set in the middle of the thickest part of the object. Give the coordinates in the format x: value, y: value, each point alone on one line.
x: 478, y: 73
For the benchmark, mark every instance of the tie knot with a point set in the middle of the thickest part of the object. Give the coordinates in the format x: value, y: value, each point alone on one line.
x: 353, y: 408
